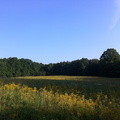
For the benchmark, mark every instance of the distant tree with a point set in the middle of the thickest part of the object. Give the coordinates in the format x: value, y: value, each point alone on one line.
x: 13, y: 66
x: 108, y: 65
x: 93, y: 67
x: 83, y: 65
x: 48, y: 68
x: 108, y: 62
x: 79, y: 67
x: 3, y: 69
x: 110, y: 56
x: 25, y: 66
x: 35, y: 69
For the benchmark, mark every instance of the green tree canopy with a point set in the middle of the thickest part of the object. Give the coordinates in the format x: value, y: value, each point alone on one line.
x: 110, y: 56
x: 109, y: 62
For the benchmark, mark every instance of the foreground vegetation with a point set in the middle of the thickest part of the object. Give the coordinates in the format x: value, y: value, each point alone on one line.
x: 60, y: 98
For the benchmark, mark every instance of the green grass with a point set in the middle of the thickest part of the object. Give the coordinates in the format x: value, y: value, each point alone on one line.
x: 20, y: 102
x: 87, y: 85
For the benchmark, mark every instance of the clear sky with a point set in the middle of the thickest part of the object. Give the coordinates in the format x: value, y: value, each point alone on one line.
x: 50, y: 31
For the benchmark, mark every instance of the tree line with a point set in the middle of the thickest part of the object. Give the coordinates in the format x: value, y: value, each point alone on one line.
x: 108, y: 65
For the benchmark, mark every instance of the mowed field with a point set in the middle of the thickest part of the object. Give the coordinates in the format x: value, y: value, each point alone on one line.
x: 60, y: 98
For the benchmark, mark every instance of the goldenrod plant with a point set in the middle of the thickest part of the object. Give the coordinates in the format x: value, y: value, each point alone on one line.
x: 20, y: 102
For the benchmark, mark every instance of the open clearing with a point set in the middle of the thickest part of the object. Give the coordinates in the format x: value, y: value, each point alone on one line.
x: 60, y: 98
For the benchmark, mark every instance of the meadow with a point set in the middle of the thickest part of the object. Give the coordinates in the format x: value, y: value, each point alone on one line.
x: 60, y: 98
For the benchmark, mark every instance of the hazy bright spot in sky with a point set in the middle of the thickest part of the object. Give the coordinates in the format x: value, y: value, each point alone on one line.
x: 116, y: 15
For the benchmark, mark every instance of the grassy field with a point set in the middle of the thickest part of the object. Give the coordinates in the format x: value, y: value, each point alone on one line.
x: 60, y: 98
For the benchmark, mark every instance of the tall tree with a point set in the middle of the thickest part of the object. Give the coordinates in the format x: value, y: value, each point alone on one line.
x: 108, y: 62
x: 110, y: 56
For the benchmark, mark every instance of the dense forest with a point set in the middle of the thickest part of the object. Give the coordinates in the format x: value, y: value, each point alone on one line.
x: 108, y: 65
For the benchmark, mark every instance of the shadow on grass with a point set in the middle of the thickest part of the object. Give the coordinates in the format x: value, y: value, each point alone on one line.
x: 30, y: 113
x: 20, y: 113
x: 86, y: 85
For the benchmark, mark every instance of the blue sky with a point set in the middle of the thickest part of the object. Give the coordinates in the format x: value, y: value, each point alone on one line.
x: 50, y: 31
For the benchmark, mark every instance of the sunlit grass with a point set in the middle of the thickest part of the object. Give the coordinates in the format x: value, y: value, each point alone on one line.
x: 58, y: 77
